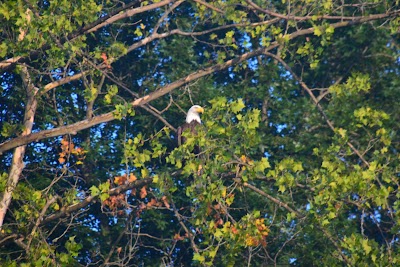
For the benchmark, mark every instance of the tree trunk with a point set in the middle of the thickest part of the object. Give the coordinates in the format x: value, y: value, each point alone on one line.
x: 17, y: 164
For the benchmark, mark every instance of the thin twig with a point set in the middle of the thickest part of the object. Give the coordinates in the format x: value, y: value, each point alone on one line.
x: 189, y: 233
x: 209, y: 6
x: 40, y: 218
x: 275, y: 200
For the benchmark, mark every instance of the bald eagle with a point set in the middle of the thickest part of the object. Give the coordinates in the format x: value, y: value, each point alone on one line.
x: 192, y: 121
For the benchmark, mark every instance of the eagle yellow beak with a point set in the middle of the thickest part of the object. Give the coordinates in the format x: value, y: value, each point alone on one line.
x: 200, y: 110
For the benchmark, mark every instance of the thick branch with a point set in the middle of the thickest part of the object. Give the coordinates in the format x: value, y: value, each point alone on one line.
x: 11, y: 61
x: 156, y: 36
x: 62, y: 81
x: 91, y: 199
x: 129, y: 13
x: 316, y: 17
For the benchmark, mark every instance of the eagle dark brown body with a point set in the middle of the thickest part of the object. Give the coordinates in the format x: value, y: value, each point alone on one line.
x: 192, y: 122
x: 192, y: 129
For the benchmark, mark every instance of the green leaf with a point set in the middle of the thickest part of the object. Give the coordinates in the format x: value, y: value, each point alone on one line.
x: 367, y: 248
x: 104, y: 196
x: 218, y: 233
x: 64, y: 258
x: 104, y: 187
x: 262, y: 165
x: 138, y: 32
x: 317, y: 31
x: 112, y: 90
x: 144, y: 172
x: 237, y: 106
x: 282, y: 188
x: 325, y: 222
x: 198, y: 257
x: 342, y: 132
x: 3, y: 48
x: 297, y: 167
x: 330, y: 30
x: 94, y: 190
x: 156, y: 179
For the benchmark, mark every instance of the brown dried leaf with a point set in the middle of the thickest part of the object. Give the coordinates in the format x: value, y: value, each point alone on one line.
x: 64, y: 142
x: 143, y: 192
x: 132, y: 178
x: 234, y: 230
x: 165, y: 201
x: 153, y: 202
x: 119, y: 180
x: 178, y: 237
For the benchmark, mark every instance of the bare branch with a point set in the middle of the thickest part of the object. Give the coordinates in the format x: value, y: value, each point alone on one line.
x: 40, y: 218
x: 62, y: 81
x: 129, y: 13
x: 314, y: 17
x: 275, y: 200
x: 156, y: 36
x: 165, y: 15
x: 188, y: 232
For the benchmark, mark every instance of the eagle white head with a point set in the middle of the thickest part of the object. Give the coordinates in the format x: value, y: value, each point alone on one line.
x: 193, y: 114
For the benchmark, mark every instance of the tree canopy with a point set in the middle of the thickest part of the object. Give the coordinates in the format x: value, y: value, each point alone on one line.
x: 298, y: 161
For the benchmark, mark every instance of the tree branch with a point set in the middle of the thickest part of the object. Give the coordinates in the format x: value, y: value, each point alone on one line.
x: 62, y: 81
x: 188, y: 232
x: 129, y: 13
x: 315, y: 17
x: 91, y: 199
x: 275, y: 200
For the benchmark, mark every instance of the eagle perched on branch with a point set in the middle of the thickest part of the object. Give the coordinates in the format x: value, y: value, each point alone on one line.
x: 192, y: 121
